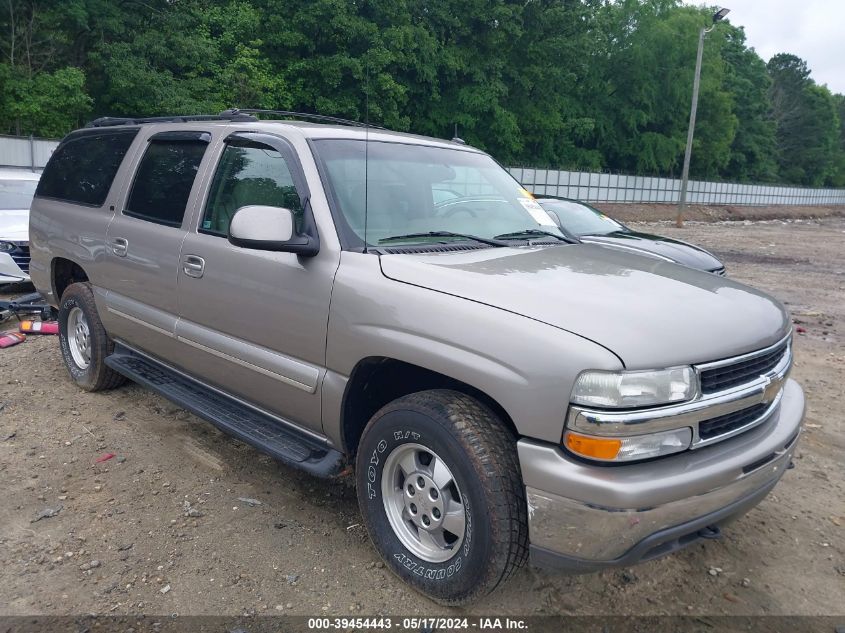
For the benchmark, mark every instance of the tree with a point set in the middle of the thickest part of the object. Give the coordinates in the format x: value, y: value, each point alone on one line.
x: 589, y: 84
x: 39, y: 93
x: 343, y: 58
x: 752, y: 153
x: 837, y: 179
x: 650, y: 76
x: 548, y: 75
x: 807, y: 122
x: 48, y: 104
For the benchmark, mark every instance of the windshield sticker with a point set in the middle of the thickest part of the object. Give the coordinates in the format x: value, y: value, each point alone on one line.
x: 537, y: 212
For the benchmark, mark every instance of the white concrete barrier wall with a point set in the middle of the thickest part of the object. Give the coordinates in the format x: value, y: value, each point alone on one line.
x: 25, y: 152
x: 592, y: 187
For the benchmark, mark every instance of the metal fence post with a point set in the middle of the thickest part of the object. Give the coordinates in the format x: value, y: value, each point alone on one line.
x: 32, y: 153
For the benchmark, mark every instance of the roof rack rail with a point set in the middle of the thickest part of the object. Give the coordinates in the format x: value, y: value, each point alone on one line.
x: 300, y: 115
x: 109, y: 121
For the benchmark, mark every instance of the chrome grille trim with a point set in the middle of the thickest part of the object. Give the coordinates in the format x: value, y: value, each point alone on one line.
x: 736, y: 372
x: 733, y: 360
x: 698, y: 442
x: 765, y: 389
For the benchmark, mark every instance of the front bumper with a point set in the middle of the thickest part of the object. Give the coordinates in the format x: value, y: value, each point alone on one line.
x: 584, y: 517
x: 11, y: 270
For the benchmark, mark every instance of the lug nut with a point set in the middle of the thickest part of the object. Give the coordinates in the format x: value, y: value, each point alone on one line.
x: 411, y: 489
x: 420, y: 483
x: 426, y: 521
x: 413, y: 508
x: 434, y: 494
x: 435, y: 513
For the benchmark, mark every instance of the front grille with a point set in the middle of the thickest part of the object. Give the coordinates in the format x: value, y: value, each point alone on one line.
x: 741, y: 372
x: 21, y: 257
x: 714, y: 427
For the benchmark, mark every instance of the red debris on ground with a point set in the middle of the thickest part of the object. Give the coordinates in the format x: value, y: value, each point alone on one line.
x: 7, y: 339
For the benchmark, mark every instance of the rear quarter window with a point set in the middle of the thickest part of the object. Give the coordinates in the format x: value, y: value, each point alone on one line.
x: 83, y: 166
x: 164, y: 179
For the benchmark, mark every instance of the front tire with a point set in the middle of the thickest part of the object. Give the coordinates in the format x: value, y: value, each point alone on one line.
x: 441, y: 495
x: 84, y: 341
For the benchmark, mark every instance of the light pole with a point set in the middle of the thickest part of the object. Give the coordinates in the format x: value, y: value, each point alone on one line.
x: 721, y: 13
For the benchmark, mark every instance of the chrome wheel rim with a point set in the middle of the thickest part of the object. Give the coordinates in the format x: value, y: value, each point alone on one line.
x: 79, y: 338
x: 423, y: 502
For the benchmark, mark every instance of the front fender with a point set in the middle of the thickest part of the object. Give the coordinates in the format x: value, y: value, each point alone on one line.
x: 526, y: 366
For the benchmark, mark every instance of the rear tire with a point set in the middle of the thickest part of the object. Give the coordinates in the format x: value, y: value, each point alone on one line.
x: 84, y: 342
x: 441, y: 494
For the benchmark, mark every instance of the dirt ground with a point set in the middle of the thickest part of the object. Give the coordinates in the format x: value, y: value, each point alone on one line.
x: 122, y: 542
x: 632, y: 212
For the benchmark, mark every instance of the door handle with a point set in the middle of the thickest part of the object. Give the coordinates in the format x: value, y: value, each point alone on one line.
x: 193, y: 265
x: 119, y: 246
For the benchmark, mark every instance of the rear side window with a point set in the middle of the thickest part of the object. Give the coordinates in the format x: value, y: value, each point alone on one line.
x: 83, y: 166
x: 164, y: 180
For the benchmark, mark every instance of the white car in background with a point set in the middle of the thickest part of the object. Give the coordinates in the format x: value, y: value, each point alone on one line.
x: 16, y: 190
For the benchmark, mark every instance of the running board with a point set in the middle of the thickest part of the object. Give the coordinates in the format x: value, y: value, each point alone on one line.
x: 261, y: 430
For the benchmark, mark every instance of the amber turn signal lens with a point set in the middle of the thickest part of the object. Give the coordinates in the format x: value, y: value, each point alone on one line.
x: 595, y: 447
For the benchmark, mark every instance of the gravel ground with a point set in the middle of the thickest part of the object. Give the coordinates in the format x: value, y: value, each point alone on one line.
x: 168, y: 526
x: 631, y: 212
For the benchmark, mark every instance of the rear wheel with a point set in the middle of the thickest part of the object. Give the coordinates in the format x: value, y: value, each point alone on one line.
x: 84, y: 342
x: 441, y: 494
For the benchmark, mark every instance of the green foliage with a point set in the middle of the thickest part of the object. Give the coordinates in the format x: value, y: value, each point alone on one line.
x: 837, y: 179
x: 752, y: 154
x: 588, y: 84
x: 808, y: 124
x: 46, y: 104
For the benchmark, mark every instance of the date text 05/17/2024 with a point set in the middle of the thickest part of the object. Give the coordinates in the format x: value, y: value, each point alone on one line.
x: 418, y: 624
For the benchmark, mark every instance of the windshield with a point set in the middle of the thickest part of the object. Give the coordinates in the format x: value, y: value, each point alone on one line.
x: 414, y: 189
x: 16, y: 194
x: 580, y: 219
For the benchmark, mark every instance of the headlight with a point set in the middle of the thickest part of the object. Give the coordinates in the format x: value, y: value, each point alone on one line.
x: 624, y: 449
x: 628, y: 389
x: 7, y: 247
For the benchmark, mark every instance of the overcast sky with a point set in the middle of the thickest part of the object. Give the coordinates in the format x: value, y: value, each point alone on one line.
x: 814, y: 30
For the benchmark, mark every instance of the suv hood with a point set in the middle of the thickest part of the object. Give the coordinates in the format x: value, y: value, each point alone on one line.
x: 649, y: 312
x: 14, y: 225
x: 676, y: 250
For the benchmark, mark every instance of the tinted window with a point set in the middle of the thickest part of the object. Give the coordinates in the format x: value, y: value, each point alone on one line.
x: 249, y: 174
x: 16, y: 194
x: 163, y: 181
x: 83, y: 166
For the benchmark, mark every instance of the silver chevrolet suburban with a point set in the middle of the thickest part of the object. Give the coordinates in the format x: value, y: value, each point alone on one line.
x: 339, y: 295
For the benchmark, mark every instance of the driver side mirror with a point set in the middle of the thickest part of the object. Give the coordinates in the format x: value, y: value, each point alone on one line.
x: 266, y: 228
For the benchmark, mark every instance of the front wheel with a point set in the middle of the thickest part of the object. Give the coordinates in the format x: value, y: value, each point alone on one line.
x: 441, y: 494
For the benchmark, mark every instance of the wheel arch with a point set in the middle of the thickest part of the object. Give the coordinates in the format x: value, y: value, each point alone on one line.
x: 63, y: 273
x: 378, y: 380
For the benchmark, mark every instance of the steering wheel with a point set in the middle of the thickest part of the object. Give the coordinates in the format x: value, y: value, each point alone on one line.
x: 457, y: 209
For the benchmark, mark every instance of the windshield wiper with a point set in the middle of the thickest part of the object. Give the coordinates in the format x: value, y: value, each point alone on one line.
x: 518, y: 235
x: 464, y: 236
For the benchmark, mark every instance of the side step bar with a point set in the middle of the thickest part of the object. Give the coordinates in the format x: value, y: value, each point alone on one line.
x: 231, y: 416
